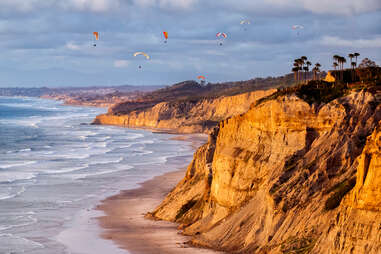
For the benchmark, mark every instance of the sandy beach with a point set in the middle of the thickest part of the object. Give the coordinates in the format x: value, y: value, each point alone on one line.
x: 125, y: 224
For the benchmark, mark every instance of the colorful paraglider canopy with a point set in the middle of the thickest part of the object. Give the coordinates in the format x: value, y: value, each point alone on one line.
x: 295, y: 27
x: 245, y: 21
x: 201, y: 77
x: 96, y: 35
x: 142, y: 53
x: 221, y: 35
x: 165, y: 35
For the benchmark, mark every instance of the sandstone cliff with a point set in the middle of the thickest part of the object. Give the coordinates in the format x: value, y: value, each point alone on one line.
x: 286, y: 177
x: 188, y: 116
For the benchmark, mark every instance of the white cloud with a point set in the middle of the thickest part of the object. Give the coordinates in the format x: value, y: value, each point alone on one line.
x: 345, y: 7
x: 121, y: 63
x: 360, y: 43
x: 173, y: 4
x: 72, y: 46
x: 23, y: 5
x: 91, y: 5
x: 338, y: 7
x: 78, y: 5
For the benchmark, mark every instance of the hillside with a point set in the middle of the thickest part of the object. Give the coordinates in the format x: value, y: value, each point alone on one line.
x: 190, y: 107
x: 87, y: 96
x: 296, y: 173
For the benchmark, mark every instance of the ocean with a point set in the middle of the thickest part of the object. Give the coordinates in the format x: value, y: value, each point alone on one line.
x: 55, y: 168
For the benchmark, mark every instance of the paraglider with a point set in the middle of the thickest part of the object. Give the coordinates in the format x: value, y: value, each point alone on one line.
x: 220, y: 37
x: 165, y: 36
x: 143, y: 54
x: 96, y: 38
x: 297, y: 28
x: 202, y: 79
x: 245, y: 23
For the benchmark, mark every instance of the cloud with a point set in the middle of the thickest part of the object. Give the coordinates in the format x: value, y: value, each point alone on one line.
x: 91, y: 5
x: 359, y: 43
x: 77, y: 5
x: 172, y: 4
x: 339, y: 7
x: 23, y: 5
x: 121, y: 63
x: 72, y: 46
x: 347, y: 7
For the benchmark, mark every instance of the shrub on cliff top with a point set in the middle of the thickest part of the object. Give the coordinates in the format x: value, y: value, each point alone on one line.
x: 315, y: 91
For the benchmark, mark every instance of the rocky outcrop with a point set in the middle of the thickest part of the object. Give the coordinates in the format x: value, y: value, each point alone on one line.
x: 281, y: 178
x: 357, y: 226
x: 188, y: 116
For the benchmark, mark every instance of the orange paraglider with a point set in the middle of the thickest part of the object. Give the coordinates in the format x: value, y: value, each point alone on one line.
x: 165, y: 36
x: 96, y: 36
x: 201, y: 77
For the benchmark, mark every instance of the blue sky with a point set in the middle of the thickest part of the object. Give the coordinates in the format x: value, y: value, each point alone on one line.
x: 49, y: 42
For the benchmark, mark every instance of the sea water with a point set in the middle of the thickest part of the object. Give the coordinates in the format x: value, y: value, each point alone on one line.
x: 55, y: 168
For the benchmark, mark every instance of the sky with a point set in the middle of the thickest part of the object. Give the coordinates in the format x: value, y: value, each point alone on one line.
x: 50, y: 42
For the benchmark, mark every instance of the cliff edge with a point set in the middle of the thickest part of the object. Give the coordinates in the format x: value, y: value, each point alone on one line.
x: 287, y: 176
x: 184, y: 115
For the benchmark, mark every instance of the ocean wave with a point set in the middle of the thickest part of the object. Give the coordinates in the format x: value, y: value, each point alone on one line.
x: 25, y: 221
x: 17, y: 164
x: 18, y: 243
x: 9, y: 195
x: 86, y: 175
x: 66, y: 170
x: 10, y: 177
x: 107, y: 161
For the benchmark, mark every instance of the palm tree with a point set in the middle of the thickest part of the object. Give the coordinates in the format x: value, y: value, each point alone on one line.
x: 303, y: 60
x: 295, y: 71
x: 353, y: 75
x: 356, y: 55
x: 351, y: 56
x: 336, y: 58
x: 307, y: 68
x: 317, y: 69
x: 335, y: 65
x: 343, y: 61
x: 314, y: 71
x: 300, y: 64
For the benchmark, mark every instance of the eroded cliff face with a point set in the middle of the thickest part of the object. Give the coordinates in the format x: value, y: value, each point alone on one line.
x: 280, y: 179
x: 187, y: 116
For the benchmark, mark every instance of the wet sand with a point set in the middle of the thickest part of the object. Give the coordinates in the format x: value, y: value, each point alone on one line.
x: 124, y: 221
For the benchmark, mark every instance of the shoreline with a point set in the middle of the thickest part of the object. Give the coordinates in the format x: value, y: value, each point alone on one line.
x: 124, y: 222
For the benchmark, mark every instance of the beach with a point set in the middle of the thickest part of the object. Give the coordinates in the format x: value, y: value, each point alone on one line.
x: 124, y: 221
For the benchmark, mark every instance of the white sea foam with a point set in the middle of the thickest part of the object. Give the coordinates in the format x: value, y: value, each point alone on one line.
x: 66, y: 170
x: 15, y: 164
x: 9, y: 177
x: 106, y: 161
x: 98, y: 173
x: 10, y: 195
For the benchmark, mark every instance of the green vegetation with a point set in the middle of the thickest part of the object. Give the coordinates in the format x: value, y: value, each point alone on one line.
x: 192, y: 92
x: 339, y: 191
x: 315, y: 91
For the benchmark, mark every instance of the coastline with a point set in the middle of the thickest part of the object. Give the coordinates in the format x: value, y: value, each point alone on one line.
x: 125, y: 225
x: 123, y: 221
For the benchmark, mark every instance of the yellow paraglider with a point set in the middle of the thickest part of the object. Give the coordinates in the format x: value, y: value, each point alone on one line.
x: 143, y: 54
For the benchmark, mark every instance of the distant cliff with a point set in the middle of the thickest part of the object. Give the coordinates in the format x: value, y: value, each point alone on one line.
x: 287, y: 176
x: 185, y: 116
